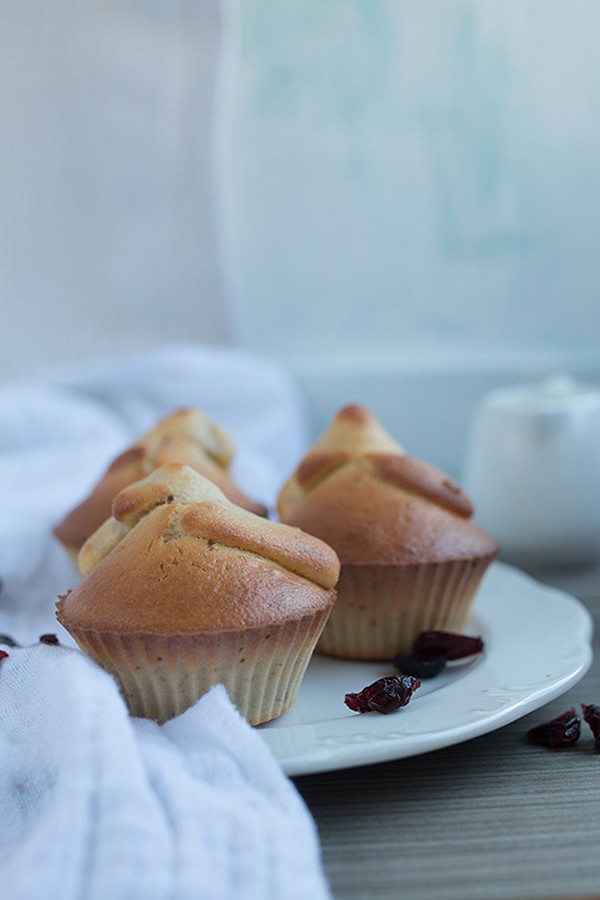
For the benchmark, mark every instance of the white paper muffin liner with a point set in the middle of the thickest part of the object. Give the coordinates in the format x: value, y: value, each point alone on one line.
x: 380, y: 610
x: 161, y: 676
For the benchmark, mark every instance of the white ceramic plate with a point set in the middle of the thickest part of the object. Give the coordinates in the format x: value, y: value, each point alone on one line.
x: 537, y: 645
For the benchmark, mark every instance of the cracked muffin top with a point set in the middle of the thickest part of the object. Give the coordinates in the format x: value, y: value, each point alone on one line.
x: 177, y: 556
x: 186, y: 436
x: 358, y: 490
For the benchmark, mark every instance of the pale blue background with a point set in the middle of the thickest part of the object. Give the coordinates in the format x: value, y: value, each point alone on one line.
x: 417, y: 176
x: 397, y: 199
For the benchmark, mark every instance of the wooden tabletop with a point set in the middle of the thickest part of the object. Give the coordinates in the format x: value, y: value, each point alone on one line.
x: 491, y: 818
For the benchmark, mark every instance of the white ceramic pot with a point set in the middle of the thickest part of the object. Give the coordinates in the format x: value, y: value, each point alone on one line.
x: 532, y: 470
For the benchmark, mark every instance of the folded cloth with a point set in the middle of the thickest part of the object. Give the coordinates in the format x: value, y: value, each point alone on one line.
x: 94, y: 802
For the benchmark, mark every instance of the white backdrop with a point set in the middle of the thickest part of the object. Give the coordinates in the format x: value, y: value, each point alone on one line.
x: 397, y: 200
x: 108, y: 174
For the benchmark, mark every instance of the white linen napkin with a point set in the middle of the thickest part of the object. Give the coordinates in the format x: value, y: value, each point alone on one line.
x: 95, y: 803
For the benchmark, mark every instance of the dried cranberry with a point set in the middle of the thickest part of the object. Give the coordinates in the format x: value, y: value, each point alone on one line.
x: 420, y: 666
x: 563, y: 731
x: 446, y: 643
x: 3, y: 655
x: 431, y: 650
x: 49, y: 639
x: 591, y: 714
x: 385, y: 695
x: 8, y: 641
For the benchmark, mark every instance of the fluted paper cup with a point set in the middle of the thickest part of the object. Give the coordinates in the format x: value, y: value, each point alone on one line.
x: 380, y: 610
x: 163, y: 675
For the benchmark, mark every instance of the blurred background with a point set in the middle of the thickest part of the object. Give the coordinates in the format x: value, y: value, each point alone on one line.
x: 397, y: 201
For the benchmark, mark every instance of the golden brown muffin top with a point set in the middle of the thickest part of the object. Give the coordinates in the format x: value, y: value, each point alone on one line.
x: 359, y: 491
x: 187, y: 436
x: 178, y: 557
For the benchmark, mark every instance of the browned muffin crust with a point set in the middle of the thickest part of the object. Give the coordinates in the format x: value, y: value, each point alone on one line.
x: 187, y: 436
x: 360, y: 492
x: 179, y: 558
x: 370, y: 520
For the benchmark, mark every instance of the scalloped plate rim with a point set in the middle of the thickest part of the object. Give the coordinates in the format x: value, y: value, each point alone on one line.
x: 469, y: 702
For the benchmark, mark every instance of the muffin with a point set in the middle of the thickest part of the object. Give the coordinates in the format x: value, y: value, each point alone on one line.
x: 186, y: 589
x: 411, y: 556
x: 187, y: 436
